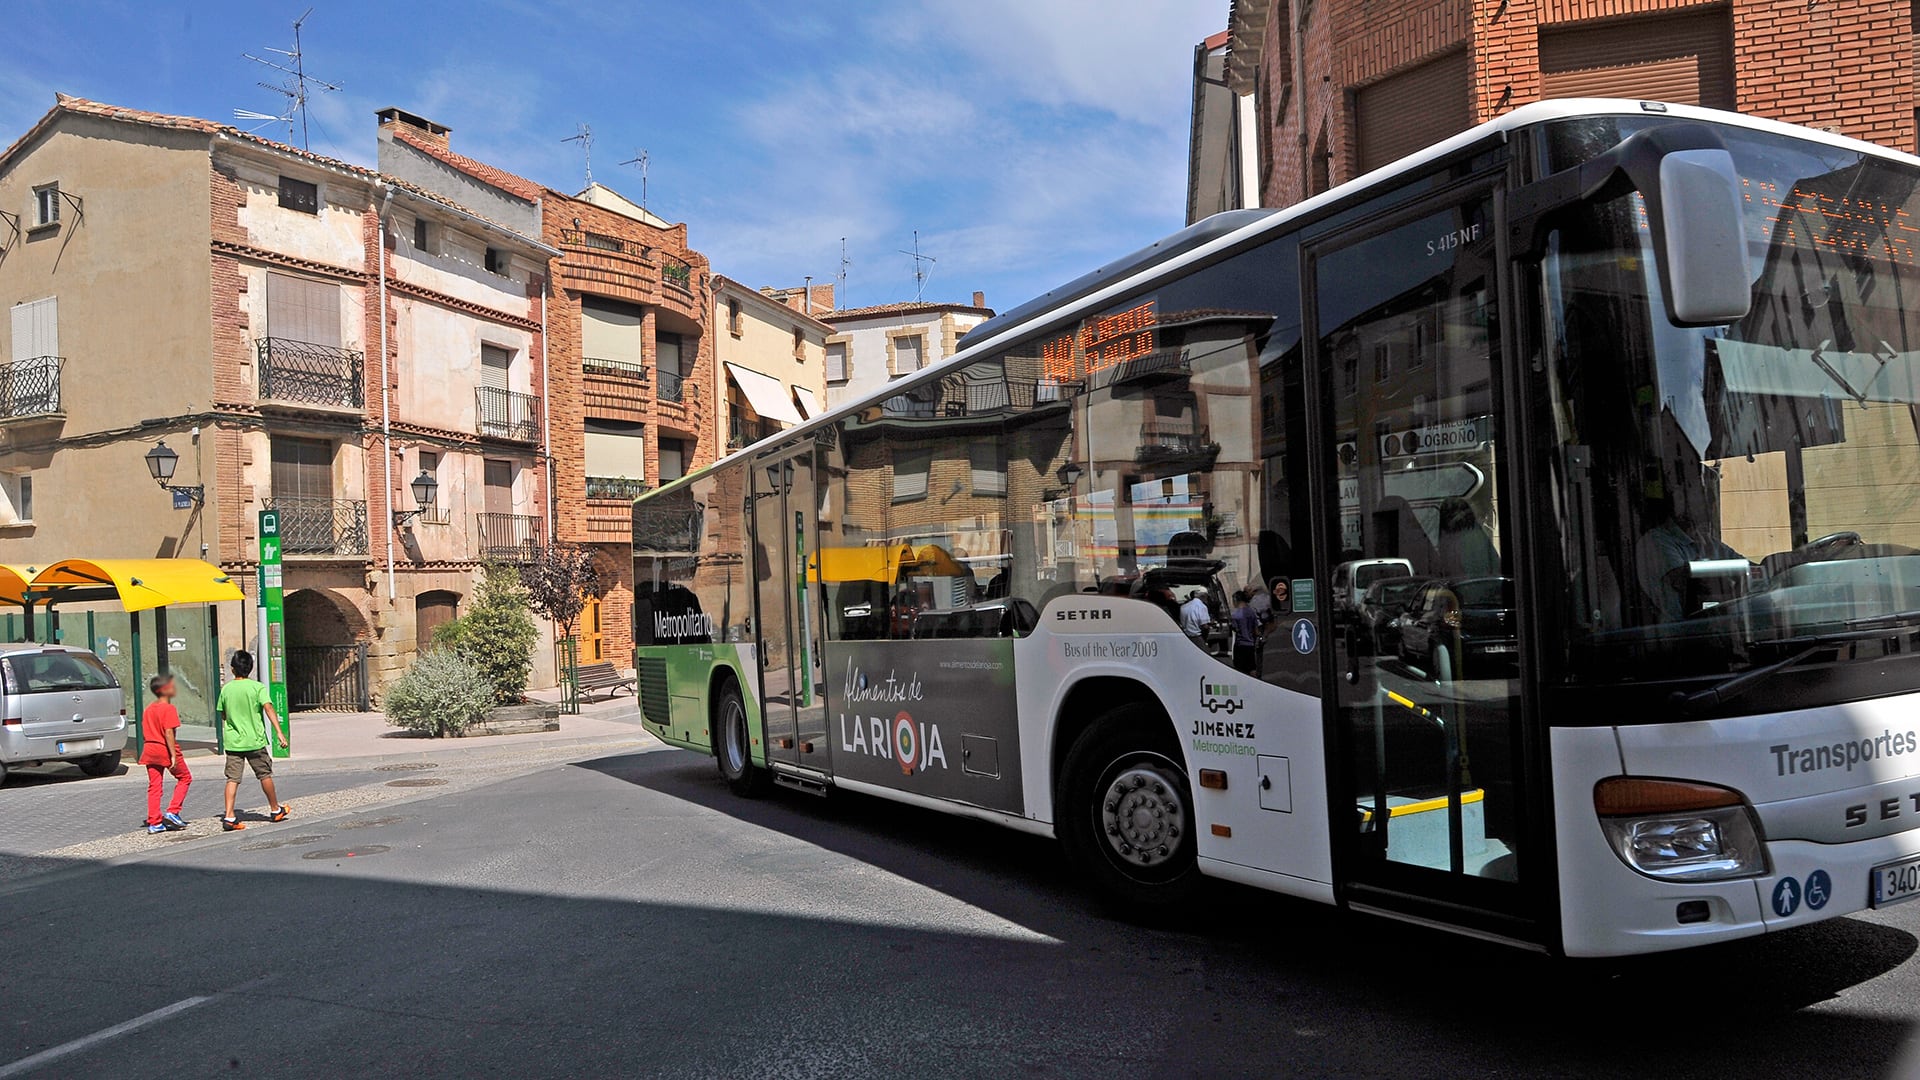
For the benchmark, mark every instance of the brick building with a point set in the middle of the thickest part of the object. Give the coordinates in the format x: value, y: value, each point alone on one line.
x: 189, y: 283
x: 1344, y: 86
x: 632, y: 374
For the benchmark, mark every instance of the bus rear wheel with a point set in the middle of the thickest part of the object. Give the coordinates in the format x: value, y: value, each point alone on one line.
x: 1126, y: 811
x: 733, y: 743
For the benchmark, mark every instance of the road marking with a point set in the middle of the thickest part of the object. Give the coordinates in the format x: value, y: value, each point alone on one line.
x: 28, y: 1064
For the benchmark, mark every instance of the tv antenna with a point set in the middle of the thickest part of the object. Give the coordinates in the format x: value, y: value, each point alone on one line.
x: 585, y: 139
x: 640, y: 160
x: 297, y: 87
x: 840, y: 295
x: 920, y: 264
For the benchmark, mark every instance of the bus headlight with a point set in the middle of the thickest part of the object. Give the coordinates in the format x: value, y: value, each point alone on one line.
x: 1677, y: 830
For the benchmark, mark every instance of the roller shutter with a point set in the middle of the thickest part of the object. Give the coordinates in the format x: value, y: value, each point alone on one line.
x: 1684, y: 59
x: 1413, y: 109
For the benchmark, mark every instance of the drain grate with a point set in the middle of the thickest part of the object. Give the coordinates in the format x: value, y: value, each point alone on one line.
x: 347, y: 853
x: 406, y: 766
x: 370, y: 823
x: 418, y: 781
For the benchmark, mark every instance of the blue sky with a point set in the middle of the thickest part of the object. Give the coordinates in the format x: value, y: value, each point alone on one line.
x: 1027, y: 140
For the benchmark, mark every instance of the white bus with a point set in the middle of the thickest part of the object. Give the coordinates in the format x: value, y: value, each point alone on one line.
x: 1617, y: 404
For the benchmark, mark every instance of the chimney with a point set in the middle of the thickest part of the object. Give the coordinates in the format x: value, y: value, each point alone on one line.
x: 809, y: 294
x: 418, y: 126
x: 979, y: 299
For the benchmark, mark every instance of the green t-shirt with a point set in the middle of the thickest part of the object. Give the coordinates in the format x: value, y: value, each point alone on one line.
x: 243, y: 702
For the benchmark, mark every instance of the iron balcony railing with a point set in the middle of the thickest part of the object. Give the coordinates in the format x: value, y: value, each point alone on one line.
x: 309, y: 374
x: 673, y: 385
x: 31, y: 387
x: 676, y: 272
x: 743, y: 432
x: 504, y: 414
x: 615, y: 488
x: 601, y: 242
x: 314, y: 526
x: 1158, y: 441
x: 510, y: 537
x: 614, y: 369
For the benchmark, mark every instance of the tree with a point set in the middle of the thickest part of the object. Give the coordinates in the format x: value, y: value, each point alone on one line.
x: 496, y: 634
x: 559, y: 581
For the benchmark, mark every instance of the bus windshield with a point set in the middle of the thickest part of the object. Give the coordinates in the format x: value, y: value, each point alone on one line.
x: 1723, y: 495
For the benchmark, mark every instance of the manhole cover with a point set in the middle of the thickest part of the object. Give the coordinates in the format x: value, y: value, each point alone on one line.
x: 419, y: 781
x: 347, y: 853
x: 406, y: 766
x: 281, y: 841
x: 370, y: 823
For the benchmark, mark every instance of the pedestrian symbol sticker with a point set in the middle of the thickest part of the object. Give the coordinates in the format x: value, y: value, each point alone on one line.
x: 1304, y: 637
x: 1786, y: 897
x: 1819, y: 890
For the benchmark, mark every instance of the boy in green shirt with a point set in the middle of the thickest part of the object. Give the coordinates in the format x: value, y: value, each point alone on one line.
x: 247, y: 706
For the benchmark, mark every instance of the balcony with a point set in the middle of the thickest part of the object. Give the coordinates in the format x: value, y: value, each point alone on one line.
x: 593, y: 241
x: 303, y: 373
x: 509, y: 538
x: 30, y: 388
x: 676, y: 272
x: 673, y: 387
x: 610, y: 488
x: 1174, y: 442
x: 614, y: 369
x: 312, y: 526
x: 743, y: 432
x: 503, y: 414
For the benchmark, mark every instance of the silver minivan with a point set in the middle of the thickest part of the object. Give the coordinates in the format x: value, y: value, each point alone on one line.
x: 59, y: 704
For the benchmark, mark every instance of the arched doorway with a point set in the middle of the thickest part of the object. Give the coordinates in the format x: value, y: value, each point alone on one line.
x: 431, y: 611
x: 326, y: 652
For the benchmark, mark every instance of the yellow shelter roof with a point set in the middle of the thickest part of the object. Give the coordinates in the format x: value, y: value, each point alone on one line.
x: 887, y: 564
x: 141, y: 583
x: 13, y: 583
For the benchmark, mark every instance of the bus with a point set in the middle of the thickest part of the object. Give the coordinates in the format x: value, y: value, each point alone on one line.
x: 1625, y: 394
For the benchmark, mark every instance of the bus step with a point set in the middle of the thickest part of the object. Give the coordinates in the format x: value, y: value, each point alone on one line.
x: 810, y: 784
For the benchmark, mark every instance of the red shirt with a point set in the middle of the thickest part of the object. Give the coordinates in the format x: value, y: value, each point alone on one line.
x: 159, y: 718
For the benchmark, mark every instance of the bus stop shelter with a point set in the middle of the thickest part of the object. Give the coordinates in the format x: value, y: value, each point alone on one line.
x: 136, y: 587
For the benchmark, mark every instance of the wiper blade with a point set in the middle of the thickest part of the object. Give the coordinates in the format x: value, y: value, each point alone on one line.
x: 1863, y: 629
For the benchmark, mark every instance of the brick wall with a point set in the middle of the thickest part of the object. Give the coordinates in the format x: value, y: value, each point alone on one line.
x: 1844, y: 65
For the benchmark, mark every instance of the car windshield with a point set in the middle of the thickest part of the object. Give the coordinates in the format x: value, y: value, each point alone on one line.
x: 1484, y: 592
x: 1721, y: 492
x: 1394, y: 592
x: 55, y: 673
x: 1364, y: 576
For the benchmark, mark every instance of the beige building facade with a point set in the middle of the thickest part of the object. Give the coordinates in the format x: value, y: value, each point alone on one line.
x: 773, y: 360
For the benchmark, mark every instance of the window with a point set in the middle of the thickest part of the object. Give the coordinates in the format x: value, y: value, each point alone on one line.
x: 799, y: 344
x: 673, y: 459
x: 909, y: 353
x: 733, y: 318
x: 836, y: 361
x: 988, y: 461
x: 496, y: 262
x: 17, y: 490
x: 910, y: 474
x: 1382, y: 362
x: 302, y: 309
x: 46, y: 205
x: 666, y: 349
x: 420, y: 236
x: 299, y: 195
x: 496, y: 367
x: 429, y: 463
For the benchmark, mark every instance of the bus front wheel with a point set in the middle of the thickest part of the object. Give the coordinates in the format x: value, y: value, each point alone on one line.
x: 733, y: 746
x: 1126, y: 811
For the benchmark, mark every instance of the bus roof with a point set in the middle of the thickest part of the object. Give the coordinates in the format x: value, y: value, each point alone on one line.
x: 1095, y: 291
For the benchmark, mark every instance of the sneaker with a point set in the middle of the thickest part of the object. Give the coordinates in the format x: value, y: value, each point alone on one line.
x: 228, y: 824
x: 173, y: 821
x: 156, y: 827
x: 280, y: 814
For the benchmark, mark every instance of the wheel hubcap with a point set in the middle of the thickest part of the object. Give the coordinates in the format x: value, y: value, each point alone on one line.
x: 1142, y: 816
x: 736, y: 750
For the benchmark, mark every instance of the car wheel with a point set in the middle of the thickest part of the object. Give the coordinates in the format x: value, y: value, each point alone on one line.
x: 733, y: 743
x: 1126, y: 812
x: 100, y: 764
x: 3, y: 774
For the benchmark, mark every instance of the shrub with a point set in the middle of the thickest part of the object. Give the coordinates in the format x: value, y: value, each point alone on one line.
x: 442, y: 694
x: 496, y: 635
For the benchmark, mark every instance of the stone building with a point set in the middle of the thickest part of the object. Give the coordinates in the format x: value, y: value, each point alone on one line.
x: 872, y: 345
x: 773, y: 359
x: 632, y: 374
x: 1345, y: 86
x: 176, y: 280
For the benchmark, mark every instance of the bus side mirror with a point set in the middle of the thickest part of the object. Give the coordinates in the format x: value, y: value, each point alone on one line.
x: 1699, y: 237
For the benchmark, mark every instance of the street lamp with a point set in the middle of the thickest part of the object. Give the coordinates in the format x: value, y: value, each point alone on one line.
x: 1070, y: 475
x: 161, y: 462
x: 425, y: 487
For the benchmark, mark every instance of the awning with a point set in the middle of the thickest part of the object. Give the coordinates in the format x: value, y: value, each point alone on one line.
x: 766, y: 394
x: 13, y: 583
x: 887, y: 564
x: 141, y: 583
x: 810, y: 403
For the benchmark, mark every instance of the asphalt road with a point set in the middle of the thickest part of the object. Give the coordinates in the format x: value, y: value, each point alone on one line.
x: 627, y: 916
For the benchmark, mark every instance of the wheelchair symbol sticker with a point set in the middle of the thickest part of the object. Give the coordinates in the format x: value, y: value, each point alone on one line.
x: 1819, y: 890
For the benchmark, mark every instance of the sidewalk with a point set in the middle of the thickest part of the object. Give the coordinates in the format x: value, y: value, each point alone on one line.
x: 319, y: 736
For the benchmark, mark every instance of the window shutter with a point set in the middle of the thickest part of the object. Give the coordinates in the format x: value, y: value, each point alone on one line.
x: 302, y: 469
x: 301, y: 309
x: 1685, y: 59
x: 496, y: 365
x: 910, y: 474
x: 611, y: 331
x: 837, y: 361
x: 989, y: 468
x: 36, y: 329
x: 1408, y: 111
x: 497, y: 479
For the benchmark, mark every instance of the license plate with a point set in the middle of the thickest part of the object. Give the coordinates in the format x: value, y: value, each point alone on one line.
x: 77, y: 745
x: 1502, y: 648
x: 1895, y: 882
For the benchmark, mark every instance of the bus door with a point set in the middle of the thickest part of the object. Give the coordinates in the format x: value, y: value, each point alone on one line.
x: 784, y: 521
x: 1417, y: 608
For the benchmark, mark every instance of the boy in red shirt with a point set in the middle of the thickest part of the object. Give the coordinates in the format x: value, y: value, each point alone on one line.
x: 160, y: 753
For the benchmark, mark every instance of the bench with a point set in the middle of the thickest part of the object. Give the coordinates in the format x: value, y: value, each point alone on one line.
x: 602, y: 676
